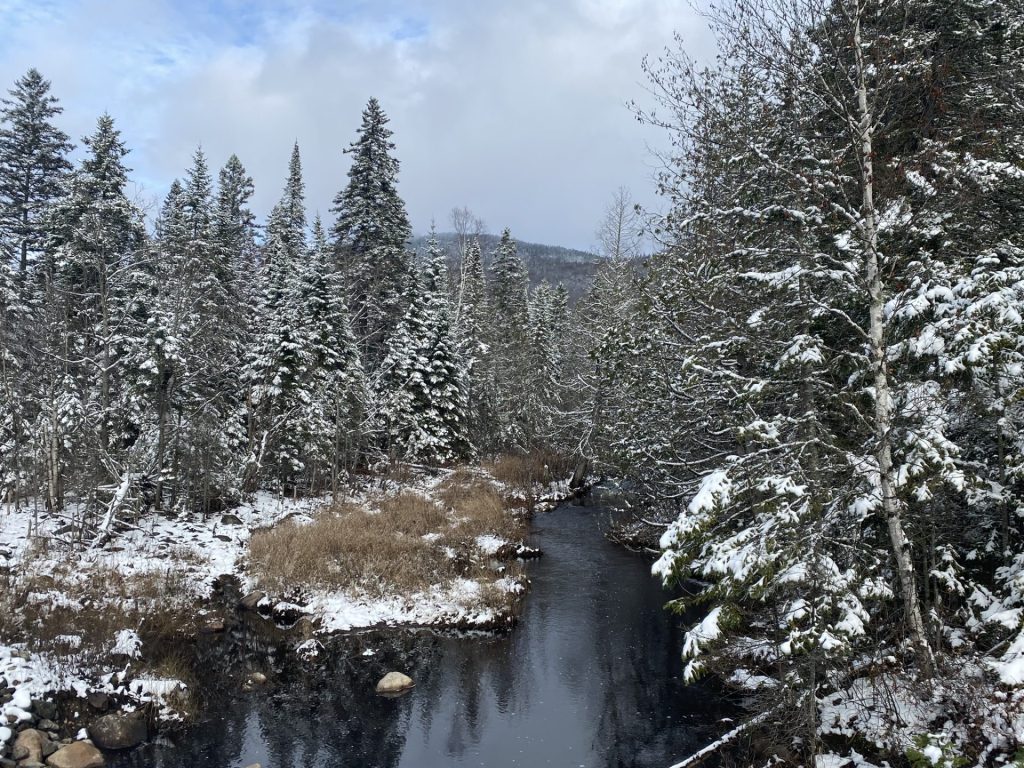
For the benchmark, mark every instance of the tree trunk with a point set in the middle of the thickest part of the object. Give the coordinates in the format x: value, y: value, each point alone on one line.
x: 883, y: 404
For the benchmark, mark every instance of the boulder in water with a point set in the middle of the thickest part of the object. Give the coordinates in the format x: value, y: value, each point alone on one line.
x: 394, y: 682
x: 119, y: 731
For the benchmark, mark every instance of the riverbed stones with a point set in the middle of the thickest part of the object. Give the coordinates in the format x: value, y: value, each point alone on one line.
x: 98, y: 701
x: 47, y: 710
x: 119, y: 731
x: 28, y: 746
x: 394, y: 682
x: 80, y: 754
x: 251, y: 601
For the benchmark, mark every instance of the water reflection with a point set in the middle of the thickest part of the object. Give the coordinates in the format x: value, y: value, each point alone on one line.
x: 590, y: 677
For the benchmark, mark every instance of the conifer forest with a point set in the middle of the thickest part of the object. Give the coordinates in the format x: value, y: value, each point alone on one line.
x: 788, y: 397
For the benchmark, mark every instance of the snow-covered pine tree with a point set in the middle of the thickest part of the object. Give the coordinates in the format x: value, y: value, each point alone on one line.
x: 236, y: 229
x: 14, y: 359
x: 33, y: 165
x: 95, y: 240
x: 334, y: 419
x: 423, y: 394
x: 370, y: 234
x: 509, y: 342
x: 279, y: 363
x: 195, y: 343
x: 471, y: 332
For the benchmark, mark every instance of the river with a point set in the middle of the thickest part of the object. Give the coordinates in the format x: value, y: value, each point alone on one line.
x: 589, y: 677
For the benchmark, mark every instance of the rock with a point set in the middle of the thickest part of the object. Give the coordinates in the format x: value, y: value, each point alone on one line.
x: 6, y: 762
x: 30, y: 764
x: 230, y: 519
x: 251, y: 601
x: 222, y: 537
x: 47, y: 725
x: 394, y: 682
x: 212, y: 626
x: 78, y: 755
x: 254, y: 680
x: 47, y: 710
x: 28, y: 746
x: 254, y: 765
x: 118, y: 731
x: 98, y: 701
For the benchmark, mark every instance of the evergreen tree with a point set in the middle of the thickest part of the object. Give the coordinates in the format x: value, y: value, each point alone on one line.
x: 371, y: 232
x: 279, y: 363
x: 335, y: 416
x: 33, y: 164
x: 471, y: 332
x: 509, y: 339
x: 424, y: 398
x: 96, y: 238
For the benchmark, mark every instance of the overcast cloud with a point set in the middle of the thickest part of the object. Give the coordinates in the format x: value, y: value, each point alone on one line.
x: 516, y: 108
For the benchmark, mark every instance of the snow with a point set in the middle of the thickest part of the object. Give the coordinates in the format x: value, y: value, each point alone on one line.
x: 454, y: 604
x: 127, y: 643
x: 490, y: 544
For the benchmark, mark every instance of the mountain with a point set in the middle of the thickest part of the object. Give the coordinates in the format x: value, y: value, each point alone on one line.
x: 554, y: 263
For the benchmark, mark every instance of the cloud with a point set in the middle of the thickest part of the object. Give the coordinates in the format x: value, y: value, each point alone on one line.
x: 514, y: 109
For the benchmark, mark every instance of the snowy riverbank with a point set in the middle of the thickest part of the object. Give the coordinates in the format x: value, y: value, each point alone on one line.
x: 103, y: 623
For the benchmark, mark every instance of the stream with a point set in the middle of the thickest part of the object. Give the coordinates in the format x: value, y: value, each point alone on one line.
x: 591, y: 676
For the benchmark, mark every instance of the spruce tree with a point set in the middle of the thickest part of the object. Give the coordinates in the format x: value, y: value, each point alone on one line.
x: 95, y: 240
x: 279, y: 361
x: 508, y: 337
x: 33, y: 165
x: 423, y: 402
x: 371, y: 232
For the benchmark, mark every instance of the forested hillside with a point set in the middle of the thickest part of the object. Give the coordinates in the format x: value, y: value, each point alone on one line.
x: 552, y: 263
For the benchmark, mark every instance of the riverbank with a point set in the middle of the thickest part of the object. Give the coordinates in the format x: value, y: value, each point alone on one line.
x: 90, y: 631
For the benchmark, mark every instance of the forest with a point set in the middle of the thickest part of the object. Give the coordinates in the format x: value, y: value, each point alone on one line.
x: 810, y: 386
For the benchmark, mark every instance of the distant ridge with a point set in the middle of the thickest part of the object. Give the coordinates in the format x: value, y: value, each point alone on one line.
x: 554, y: 263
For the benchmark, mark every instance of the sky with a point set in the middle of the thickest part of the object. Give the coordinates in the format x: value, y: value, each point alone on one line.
x: 514, y: 108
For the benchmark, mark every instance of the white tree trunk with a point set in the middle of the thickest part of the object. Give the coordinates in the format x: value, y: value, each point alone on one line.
x: 883, y: 407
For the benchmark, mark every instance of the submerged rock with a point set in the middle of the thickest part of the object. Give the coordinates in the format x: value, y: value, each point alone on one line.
x: 394, y: 682
x: 78, y: 755
x: 119, y: 731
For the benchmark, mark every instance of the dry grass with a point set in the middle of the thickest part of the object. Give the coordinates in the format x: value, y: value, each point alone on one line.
x: 383, y: 549
x: 97, y: 604
x: 523, y: 472
x: 347, y: 546
x: 479, y: 507
x: 412, y: 514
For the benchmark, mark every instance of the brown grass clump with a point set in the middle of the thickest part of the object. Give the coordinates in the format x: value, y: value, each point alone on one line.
x: 522, y: 472
x: 478, y: 506
x: 349, y: 547
x: 412, y: 514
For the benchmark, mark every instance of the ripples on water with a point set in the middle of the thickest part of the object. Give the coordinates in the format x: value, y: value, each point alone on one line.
x: 589, y: 677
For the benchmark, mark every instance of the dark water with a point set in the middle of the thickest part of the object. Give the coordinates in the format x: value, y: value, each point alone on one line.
x: 589, y: 677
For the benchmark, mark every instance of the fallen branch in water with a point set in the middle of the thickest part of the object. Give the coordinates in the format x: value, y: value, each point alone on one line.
x: 699, y: 757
